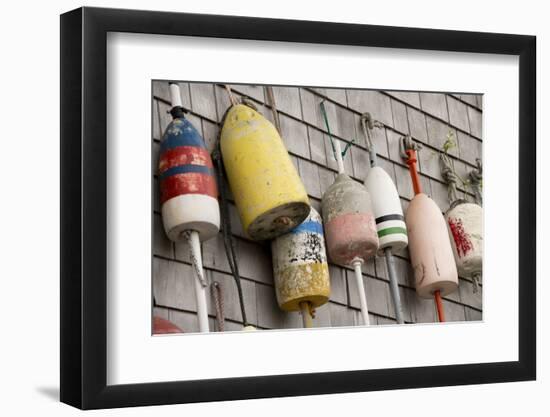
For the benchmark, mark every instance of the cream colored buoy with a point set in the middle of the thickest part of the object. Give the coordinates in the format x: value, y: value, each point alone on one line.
x: 465, y: 222
x: 429, y: 244
x: 430, y: 248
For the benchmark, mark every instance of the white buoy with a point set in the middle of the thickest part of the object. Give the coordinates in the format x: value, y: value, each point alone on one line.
x: 388, y: 213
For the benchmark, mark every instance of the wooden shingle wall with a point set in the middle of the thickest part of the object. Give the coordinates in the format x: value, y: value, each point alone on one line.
x: 428, y: 117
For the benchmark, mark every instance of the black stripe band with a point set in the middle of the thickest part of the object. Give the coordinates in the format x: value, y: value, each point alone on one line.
x: 390, y: 217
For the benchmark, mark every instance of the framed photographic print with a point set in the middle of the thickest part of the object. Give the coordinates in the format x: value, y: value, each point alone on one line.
x: 258, y: 208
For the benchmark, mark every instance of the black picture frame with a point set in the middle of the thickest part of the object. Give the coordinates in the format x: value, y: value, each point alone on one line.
x: 84, y: 207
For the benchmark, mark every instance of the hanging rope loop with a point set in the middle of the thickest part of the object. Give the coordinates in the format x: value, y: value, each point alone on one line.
x: 194, y: 257
x: 232, y: 98
x: 476, y: 180
x: 449, y: 176
x: 217, y: 294
x: 249, y: 103
x: 368, y: 124
x: 272, y: 103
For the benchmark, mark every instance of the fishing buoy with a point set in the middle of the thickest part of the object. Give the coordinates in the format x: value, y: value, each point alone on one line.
x: 163, y: 326
x: 188, y: 193
x: 388, y: 213
x: 349, y: 222
x: 270, y: 197
x: 465, y: 221
x: 429, y: 244
x: 350, y: 226
x: 430, y: 248
x: 465, y: 224
x: 300, y: 266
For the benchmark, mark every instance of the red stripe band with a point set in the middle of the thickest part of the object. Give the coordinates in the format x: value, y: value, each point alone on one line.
x: 184, y: 155
x: 189, y: 183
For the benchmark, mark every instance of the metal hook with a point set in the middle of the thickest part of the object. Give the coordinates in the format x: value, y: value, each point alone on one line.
x: 368, y: 123
x: 408, y: 144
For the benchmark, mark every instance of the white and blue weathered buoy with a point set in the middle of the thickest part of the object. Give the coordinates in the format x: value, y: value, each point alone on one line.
x: 300, y: 265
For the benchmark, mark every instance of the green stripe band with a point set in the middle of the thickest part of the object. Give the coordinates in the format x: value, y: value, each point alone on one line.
x: 392, y: 231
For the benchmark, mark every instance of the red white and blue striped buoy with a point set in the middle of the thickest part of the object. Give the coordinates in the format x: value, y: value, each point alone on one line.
x: 188, y: 194
x: 188, y: 190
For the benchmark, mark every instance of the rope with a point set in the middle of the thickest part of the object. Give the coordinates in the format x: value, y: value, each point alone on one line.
x: 247, y: 102
x: 449, y: 176
x: 194, y: 259
x: 368, y: 124
x: 228, y: 240
x: 273, y: 105
x: 348, y: 144
x: 232, y: 98
x: 476, y: 278
x: 476, y: 182
x: 217, y: 293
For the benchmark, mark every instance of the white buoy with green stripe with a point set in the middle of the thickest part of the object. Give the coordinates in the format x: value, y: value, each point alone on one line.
x: 390, y: 222
x: 388, y: 213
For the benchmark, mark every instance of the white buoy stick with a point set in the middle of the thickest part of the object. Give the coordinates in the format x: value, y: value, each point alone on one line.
x: 200, y: 289
x: 175, y: 95
x: 339, y: 159
x: 361, y: 290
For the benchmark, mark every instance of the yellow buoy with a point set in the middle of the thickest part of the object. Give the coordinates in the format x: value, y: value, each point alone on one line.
x: 269, y: 194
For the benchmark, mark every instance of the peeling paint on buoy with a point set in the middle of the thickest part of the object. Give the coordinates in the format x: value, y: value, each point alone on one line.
x: 465, y: 222
x: 188, y: 190
x: 349, y: 221
x: 300, y: 265
x: 268, y: 192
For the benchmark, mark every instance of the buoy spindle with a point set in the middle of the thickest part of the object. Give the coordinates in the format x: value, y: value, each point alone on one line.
x: 338, y: 154
x: 439, y: 304
x: 305, y: 309
x: 361, y: 289
x: 411, y: 162
x: 394, y: 286
x: 175, y: 95
x: 199, y: 281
